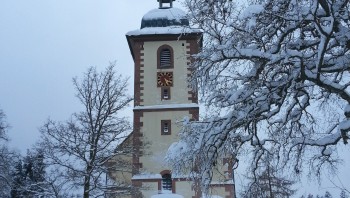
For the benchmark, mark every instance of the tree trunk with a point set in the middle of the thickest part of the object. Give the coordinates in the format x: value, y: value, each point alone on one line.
x: 269, y: 180
x: 87, y: 182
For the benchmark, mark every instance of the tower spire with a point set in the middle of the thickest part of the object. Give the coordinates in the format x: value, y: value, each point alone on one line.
x: 162, y: 2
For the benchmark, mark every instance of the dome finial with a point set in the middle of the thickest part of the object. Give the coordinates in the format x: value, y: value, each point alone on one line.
x: 161, y: 2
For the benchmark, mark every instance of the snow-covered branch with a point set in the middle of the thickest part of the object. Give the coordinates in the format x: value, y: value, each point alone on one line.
x: 277, y: 74
x: 81, y: 147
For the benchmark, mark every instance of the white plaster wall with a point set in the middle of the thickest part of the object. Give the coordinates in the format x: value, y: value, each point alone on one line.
x: 220, y: 191
x: 156, y: 144
x: 184, y: 188
x: 221, y: 172
x: 179, y: 90
x: 149, y: 189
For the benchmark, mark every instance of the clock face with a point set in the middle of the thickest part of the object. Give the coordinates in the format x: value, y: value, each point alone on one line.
x: 164, y: 79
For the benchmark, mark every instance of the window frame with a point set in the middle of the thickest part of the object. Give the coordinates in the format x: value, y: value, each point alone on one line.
x: 169, y: 180
x: 159, y: 51
x: 163, y: 124
x: 163, y: 95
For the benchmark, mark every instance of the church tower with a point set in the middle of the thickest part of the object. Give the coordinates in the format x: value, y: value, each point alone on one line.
x: 161, y: 50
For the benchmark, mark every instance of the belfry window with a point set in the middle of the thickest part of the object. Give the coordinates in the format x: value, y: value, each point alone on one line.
x: 167, y: 182
x: 166, y: 127
x: 165, y: 57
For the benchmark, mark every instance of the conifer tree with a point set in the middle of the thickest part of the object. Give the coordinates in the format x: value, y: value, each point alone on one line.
x: 343, y: 194
x: 29, y: 177
x: 7, y: 158
x: 328, y: 195
x: 34, y: 173
x: 18, y: 180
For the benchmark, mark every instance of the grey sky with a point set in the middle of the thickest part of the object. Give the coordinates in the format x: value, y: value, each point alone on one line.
x: 45, y: 43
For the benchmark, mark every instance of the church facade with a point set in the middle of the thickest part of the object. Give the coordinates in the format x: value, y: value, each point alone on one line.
x: 161, y: 50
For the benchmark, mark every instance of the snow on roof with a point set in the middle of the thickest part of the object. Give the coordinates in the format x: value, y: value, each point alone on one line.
x: 163, y: 30
x: 164, y: 21
x: 170, y: 195
x: 167, y: 196
x: 167, y: 106
x: 147, y: 176
x: 222, y: 182
x: 169, y: 13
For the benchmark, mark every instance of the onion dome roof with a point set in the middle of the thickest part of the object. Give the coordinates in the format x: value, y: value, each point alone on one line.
x: 164, y: 17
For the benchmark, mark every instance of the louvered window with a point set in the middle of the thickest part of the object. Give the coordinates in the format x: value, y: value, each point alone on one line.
x: 165, y: 93
x: 165, y: 58
x: 166, y: 127
x: 166, y: 182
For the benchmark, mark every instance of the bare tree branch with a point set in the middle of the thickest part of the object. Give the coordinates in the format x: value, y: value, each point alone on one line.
x: 81, y: 146
x: 277, y: 75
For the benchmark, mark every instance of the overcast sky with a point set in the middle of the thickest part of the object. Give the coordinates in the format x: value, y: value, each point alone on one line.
x: 45, y: 43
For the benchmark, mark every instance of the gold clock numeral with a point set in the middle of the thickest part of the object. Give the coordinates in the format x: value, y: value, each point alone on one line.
x: 164, y: 78
x: 160, y: 83
x: 167, y: 82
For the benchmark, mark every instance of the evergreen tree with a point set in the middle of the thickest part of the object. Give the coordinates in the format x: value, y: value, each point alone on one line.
x: 7, y: 158
x: 34, y: 173
x: 327, y: 195
x: 29, y: 177
x: 343, y: 194
x: 18, y: 180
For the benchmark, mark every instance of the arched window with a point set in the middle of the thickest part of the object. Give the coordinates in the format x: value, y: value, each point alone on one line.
x: 167, y: 182
x: 165, y: 57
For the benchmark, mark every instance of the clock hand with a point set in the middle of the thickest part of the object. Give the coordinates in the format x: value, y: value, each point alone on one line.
x: 167, y: 81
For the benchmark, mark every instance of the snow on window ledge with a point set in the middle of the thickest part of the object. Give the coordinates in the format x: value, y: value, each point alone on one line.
x: 146, y: 176
x: 167, y: 195
x: 167, y: 106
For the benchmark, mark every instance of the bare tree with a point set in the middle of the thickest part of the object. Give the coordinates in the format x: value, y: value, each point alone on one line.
x: 81, y: 146
x: 7, y: 158
x: 276, y: 72
x: 4, y: 159
x: 3, y: 126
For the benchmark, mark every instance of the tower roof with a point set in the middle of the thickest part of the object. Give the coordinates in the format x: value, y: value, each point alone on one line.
x: 163, y: 23
x: 164, y: 17
x: 164, y: 20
